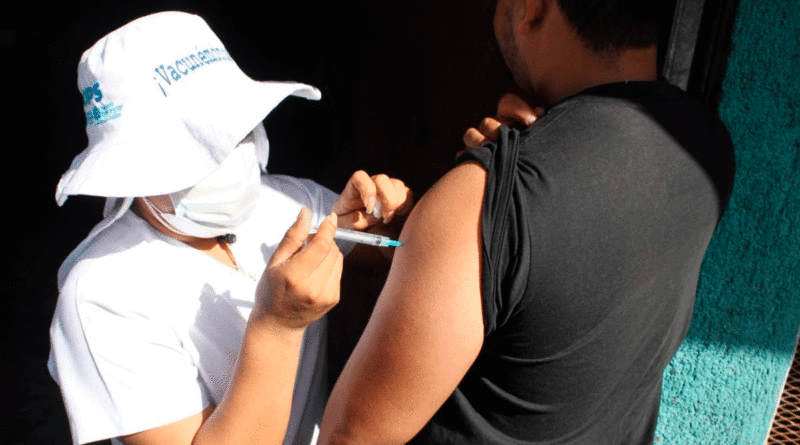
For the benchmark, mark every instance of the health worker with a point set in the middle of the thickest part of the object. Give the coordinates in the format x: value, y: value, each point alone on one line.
x: 194, y: 311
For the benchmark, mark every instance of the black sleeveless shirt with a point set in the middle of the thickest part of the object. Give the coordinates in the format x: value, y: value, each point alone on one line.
x: 595, y: 222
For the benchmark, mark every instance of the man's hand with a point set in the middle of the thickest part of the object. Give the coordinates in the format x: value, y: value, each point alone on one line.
x: 367, y: 200
x: 512, y: 112
x: 301, y: 282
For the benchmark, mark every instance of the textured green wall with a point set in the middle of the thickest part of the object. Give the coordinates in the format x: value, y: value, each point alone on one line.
x: 723, y: 385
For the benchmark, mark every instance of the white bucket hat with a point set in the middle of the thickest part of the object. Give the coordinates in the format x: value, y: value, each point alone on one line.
x: 164, y: 103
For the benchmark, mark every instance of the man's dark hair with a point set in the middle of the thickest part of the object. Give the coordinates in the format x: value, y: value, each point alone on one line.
x: 611, y: 25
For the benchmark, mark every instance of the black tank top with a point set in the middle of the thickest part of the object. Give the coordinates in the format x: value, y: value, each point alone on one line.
x: 595, y: 222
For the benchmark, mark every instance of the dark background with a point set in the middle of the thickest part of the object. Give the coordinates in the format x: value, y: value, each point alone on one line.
x: 401, y: 81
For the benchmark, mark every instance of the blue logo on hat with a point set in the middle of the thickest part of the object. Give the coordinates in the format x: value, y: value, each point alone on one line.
x: 99, y: 113
x: 92, y: 93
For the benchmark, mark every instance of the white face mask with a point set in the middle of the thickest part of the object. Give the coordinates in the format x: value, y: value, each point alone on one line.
x: 222, y: 201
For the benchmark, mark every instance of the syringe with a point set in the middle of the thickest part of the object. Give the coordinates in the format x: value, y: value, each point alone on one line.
x: 363, y: 238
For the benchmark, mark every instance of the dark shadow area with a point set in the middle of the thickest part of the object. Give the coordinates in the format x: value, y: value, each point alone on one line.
x: 712, y: 50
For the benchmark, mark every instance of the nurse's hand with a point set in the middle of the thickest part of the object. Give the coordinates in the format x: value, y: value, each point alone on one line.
x: 512, y: 111
x: 301, y: 282
x: 369, y: 200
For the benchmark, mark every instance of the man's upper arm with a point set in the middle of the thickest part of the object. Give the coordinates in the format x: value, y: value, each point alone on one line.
x: 427, y: 326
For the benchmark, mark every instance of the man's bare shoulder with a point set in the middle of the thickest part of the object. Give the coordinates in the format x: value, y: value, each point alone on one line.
x: 430, y: 303
x: 452, y: 203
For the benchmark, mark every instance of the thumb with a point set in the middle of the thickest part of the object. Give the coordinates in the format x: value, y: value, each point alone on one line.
x: 293, y: 239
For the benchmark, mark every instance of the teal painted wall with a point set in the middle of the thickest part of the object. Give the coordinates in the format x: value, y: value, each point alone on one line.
x: 723, y: 385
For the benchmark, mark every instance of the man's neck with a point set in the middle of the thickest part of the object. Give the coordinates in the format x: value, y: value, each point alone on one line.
x: 591, y: 69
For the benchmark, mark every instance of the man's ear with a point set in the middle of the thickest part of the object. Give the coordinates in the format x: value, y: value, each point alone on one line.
x: 534, y: 13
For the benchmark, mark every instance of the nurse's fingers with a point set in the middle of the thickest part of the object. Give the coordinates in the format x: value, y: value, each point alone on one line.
x: 294, y: 238
x: 298, y: 290
x: 359, y: 193
x: 394, y: 198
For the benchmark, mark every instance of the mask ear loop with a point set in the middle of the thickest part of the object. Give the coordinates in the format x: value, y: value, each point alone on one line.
x: 158, y: 215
